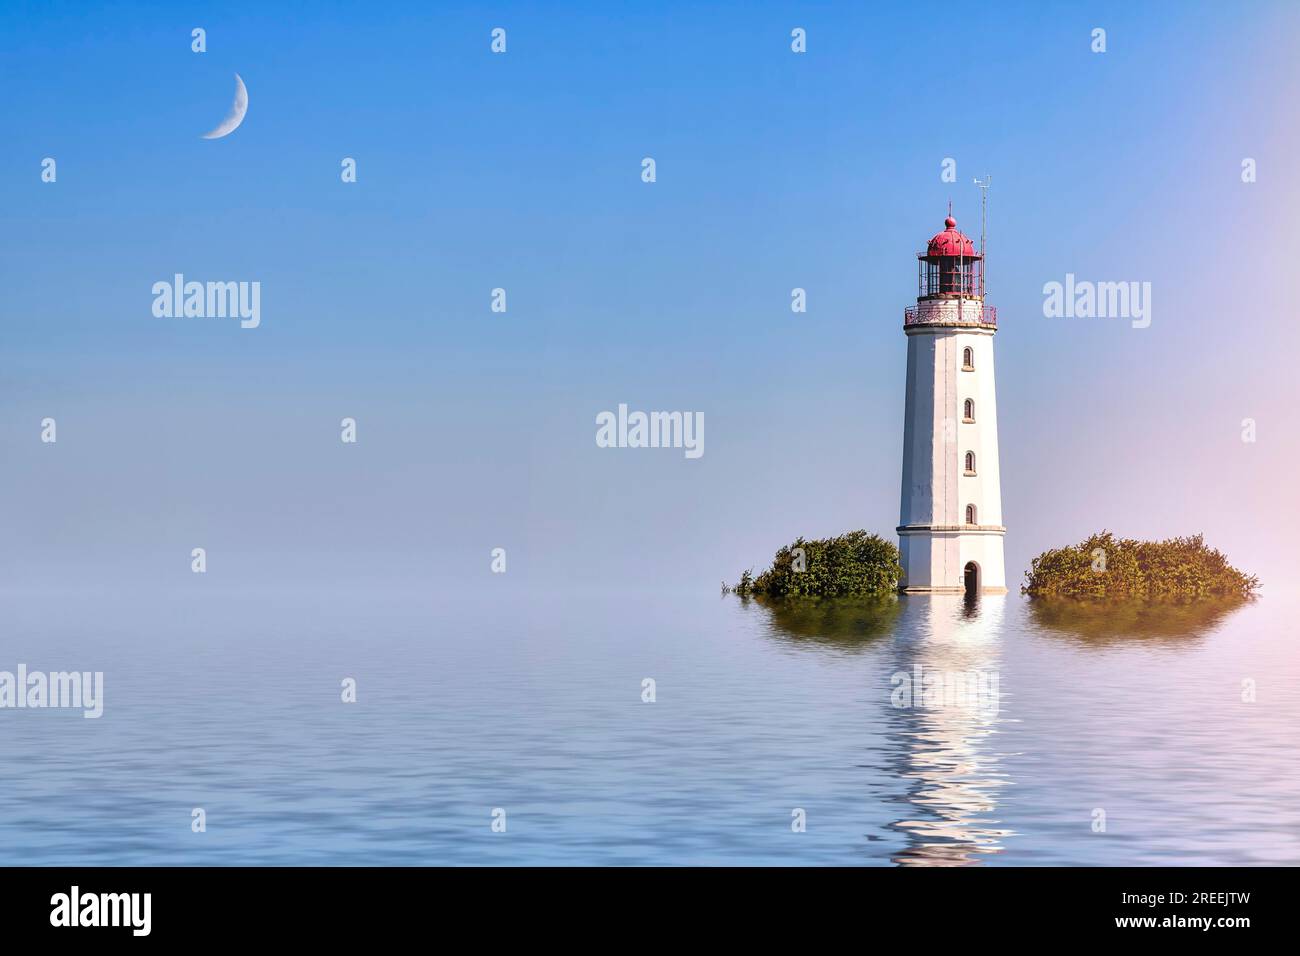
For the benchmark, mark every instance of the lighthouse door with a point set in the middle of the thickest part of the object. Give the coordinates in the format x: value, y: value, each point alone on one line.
x: 972, y: 579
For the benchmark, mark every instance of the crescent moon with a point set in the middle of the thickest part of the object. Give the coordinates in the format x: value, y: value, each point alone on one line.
x: 236, y: 114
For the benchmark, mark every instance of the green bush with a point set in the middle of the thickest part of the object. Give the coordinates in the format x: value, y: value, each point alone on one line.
x: 1108, y: 567
x: 852, y: 563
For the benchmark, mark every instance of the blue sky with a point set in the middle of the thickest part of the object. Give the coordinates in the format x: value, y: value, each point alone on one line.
x: 522, y: 171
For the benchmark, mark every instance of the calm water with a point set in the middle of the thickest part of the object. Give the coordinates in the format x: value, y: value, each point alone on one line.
x: 534, y: 706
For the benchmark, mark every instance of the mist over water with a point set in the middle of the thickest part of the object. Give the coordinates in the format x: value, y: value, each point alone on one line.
x: 232, y: 703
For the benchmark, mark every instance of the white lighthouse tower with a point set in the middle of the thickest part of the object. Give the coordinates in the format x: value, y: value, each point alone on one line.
x: 950, y: 531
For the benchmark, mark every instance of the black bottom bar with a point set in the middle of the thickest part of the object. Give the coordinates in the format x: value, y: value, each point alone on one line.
x: 368, y: 905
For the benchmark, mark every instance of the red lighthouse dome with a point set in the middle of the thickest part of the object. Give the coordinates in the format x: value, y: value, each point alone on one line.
x: 950, y: 265
x: 950, y: 242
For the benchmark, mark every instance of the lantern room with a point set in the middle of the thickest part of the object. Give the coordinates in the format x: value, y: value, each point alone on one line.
x: 950, y: 266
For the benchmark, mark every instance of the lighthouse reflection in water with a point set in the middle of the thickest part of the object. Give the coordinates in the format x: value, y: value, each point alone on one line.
x: 946, y: 705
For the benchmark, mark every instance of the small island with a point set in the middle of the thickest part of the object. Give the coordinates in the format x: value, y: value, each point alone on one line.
x: 1110, y: 568
x: 851, y: 564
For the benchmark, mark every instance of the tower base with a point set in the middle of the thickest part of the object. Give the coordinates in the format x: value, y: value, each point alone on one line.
x: 955, y: 559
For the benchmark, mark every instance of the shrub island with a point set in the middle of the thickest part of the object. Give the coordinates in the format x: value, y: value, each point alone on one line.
x: 1110, y: 568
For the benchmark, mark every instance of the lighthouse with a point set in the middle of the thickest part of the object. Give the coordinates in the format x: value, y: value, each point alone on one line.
x: 950, y: 526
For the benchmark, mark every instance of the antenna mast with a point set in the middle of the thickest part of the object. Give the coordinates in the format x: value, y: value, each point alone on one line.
x: 984, y: 222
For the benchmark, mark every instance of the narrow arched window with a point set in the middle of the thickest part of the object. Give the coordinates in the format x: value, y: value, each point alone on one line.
x: 970, y: 515
x: 969, y: 414
x: 968, y: 359
x: 970, y: 463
